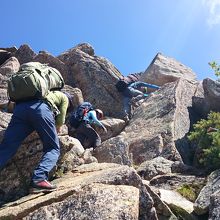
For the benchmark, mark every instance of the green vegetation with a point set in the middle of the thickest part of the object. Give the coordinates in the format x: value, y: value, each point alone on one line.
x: 215, y: 67
x: 190, y: 191
x: 208, y: 143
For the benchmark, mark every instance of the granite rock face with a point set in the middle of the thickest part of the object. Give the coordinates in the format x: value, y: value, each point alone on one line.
x: 158, y: 128
x: 165, y: 69
x: 138, y: 166
x: 96, y: 77
x: 207, y: 98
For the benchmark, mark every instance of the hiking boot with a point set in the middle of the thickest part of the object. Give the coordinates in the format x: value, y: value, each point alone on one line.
x: 42, y: 186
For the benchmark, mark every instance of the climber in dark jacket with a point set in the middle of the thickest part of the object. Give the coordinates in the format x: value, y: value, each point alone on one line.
x: 134, y: 90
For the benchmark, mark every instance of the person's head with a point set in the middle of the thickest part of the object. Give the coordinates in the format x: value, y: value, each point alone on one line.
x: 99, y: 114
x: 70, y: 99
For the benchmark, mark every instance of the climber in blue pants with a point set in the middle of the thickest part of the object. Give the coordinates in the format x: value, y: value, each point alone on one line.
x: 37, y: 115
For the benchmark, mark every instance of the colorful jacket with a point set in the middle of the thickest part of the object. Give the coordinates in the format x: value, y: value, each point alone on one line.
x: 91, y: 118
x: 139, y: 84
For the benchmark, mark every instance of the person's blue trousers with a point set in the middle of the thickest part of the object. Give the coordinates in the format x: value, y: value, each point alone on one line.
x: 128, y: 94
x: 27, y: 117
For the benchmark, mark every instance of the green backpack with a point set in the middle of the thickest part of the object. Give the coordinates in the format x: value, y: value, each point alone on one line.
x: 33, y: 81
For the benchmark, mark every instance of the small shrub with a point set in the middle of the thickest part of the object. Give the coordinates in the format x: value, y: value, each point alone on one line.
x: 215, y: 67
x: 190, y: 191
x: 208, y: 143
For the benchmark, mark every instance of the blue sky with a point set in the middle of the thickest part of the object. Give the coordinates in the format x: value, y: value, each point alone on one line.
x: 129, y: 33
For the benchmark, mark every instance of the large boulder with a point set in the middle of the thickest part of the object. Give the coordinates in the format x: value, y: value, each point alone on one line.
x: 12, y: 49
x: 214, y: 209
x: 198, y: 101
x: 154, y: 167
x: 202, y: 203
x: 114, y: 127
x: 180, y: 206
x: 3, y: 96
x: 114, y: 189
x: 163, y: 211
x: 207, y: 97
x: 4, y: 55
x: 164, y: 69
x: 158, y: 128
x: 9, y: 67
x: 95, y: 201
x: 85, y: 47
x: 96, y: 77
x: 24, y: 54
x: 176, y: 181
x: 76, y: 93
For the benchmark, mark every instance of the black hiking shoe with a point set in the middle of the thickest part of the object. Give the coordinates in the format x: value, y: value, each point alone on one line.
x: 126, y: 119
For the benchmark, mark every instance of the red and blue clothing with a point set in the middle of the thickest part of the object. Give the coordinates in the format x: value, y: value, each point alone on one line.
x: 86, y: 134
